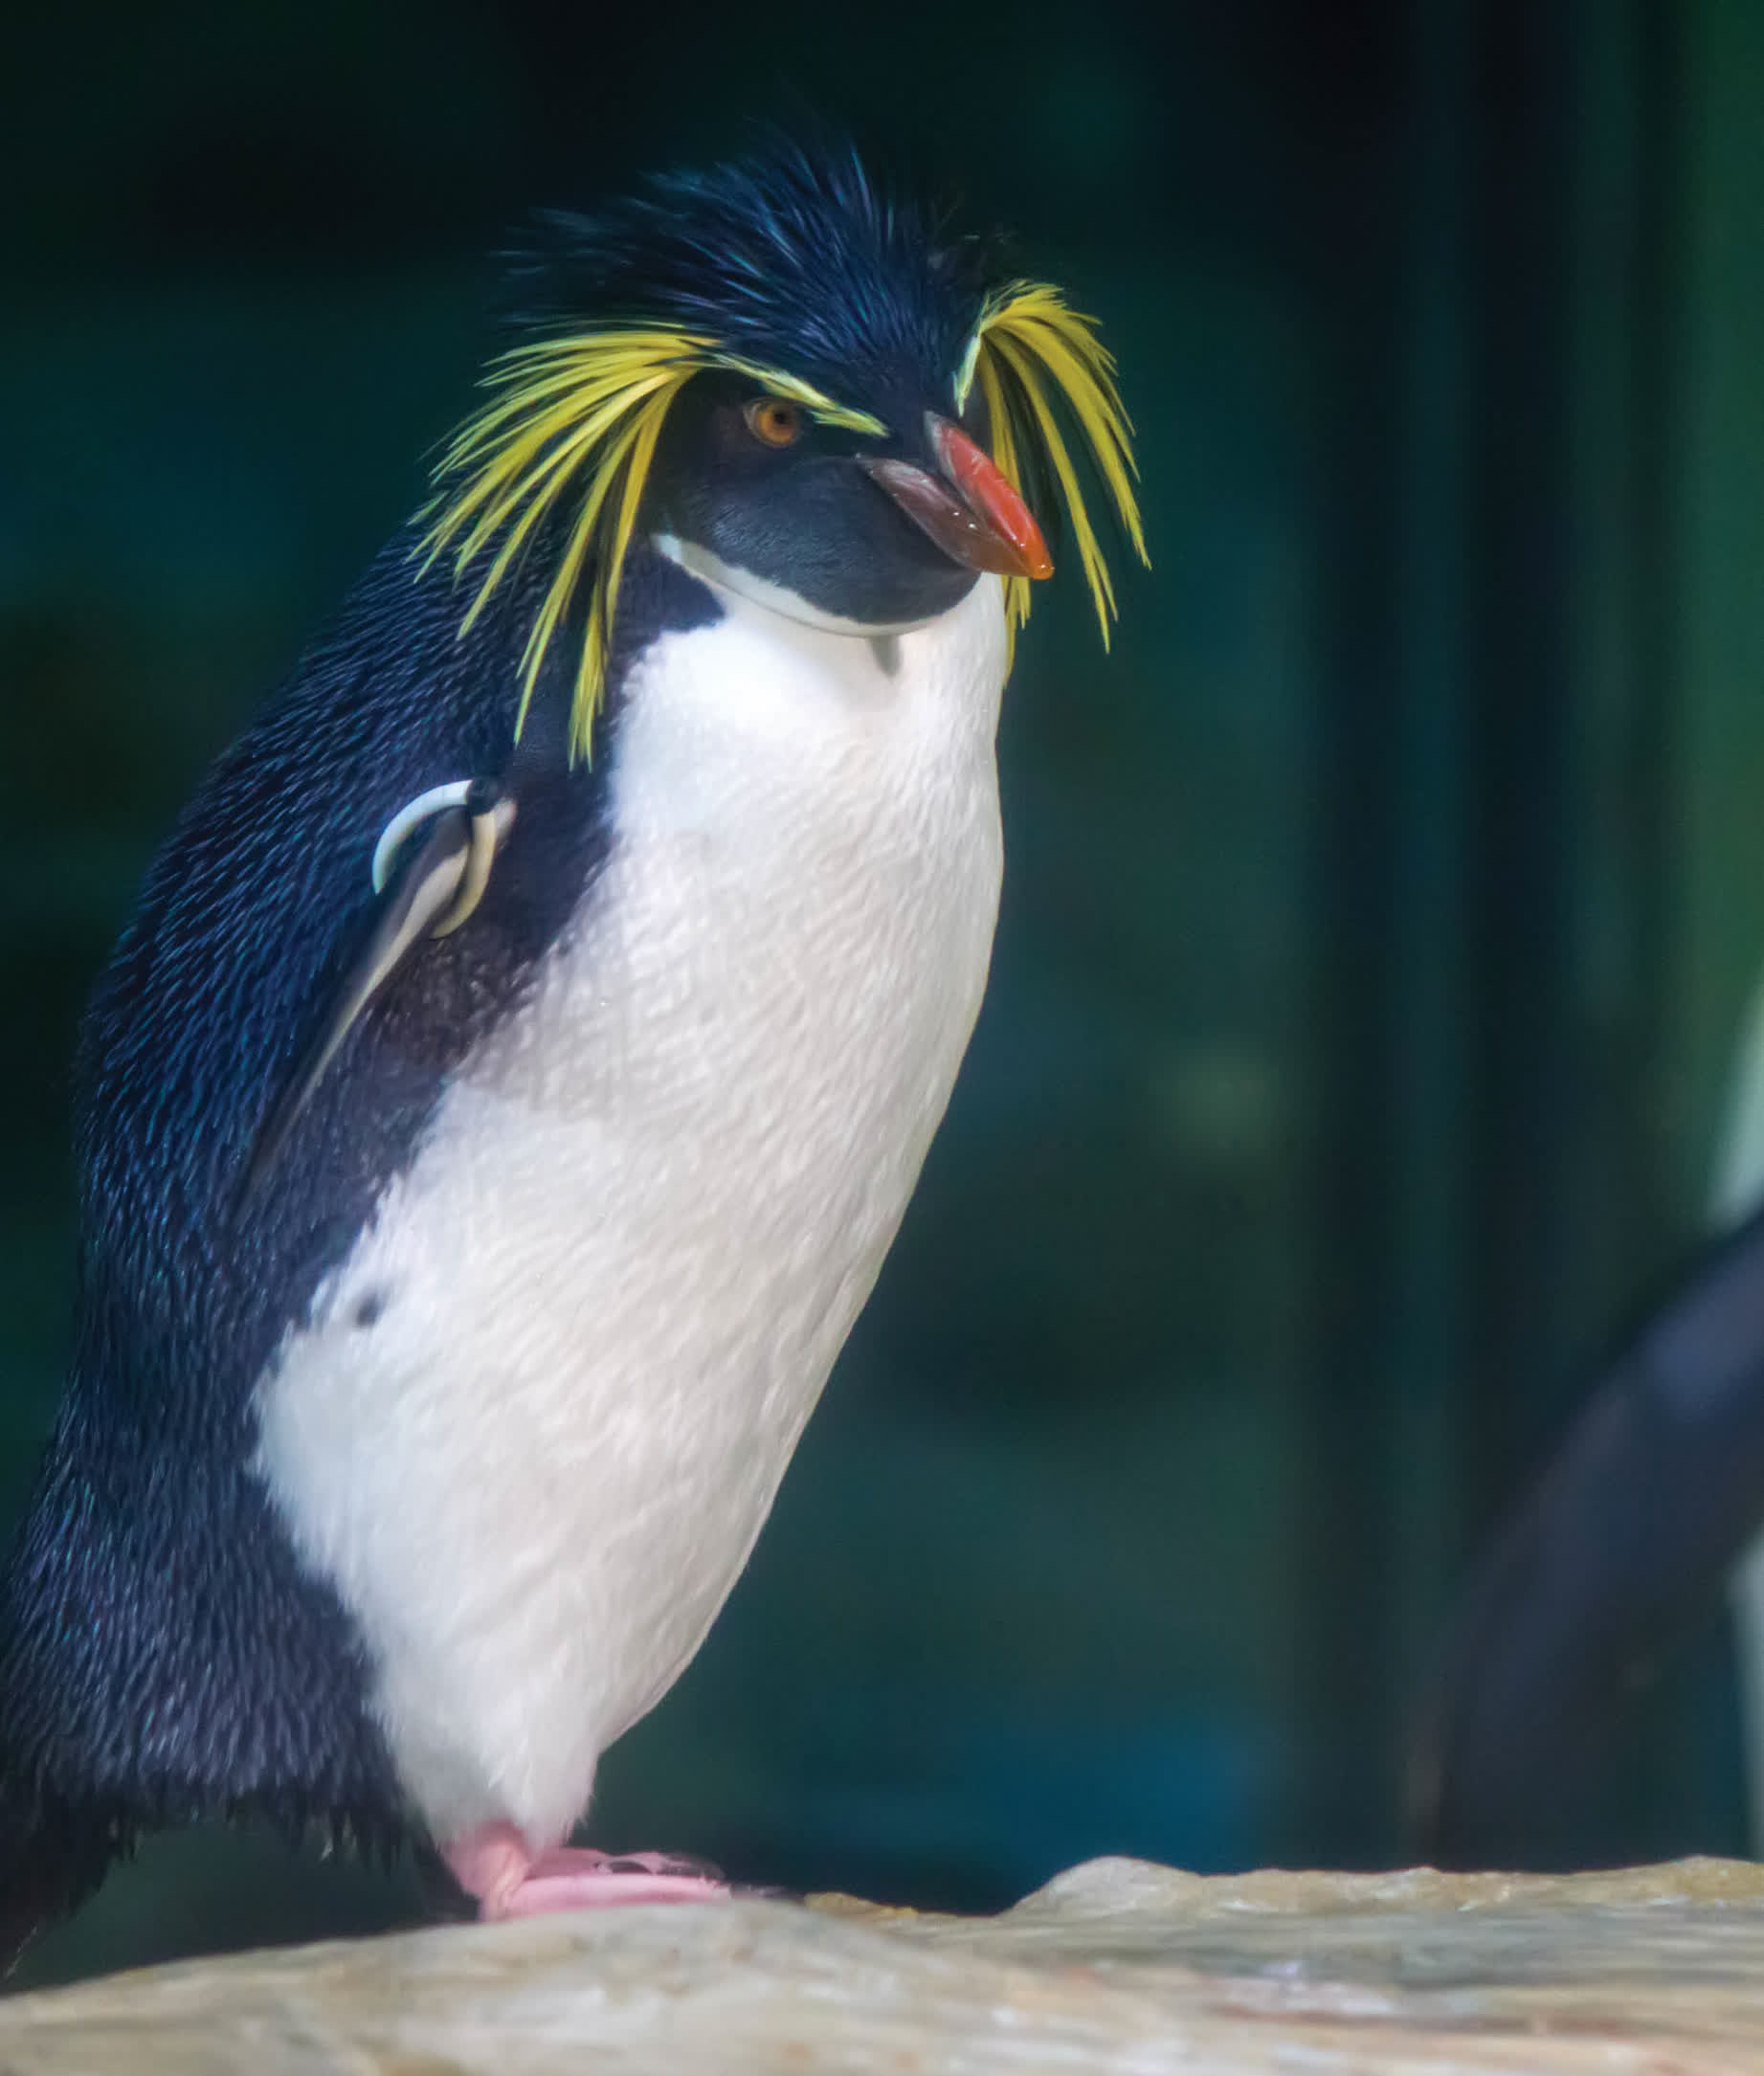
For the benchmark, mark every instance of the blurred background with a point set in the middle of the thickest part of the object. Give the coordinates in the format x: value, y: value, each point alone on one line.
x: 1378, y: 918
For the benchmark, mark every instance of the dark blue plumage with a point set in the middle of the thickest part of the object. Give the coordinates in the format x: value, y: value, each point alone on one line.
x: 162, y: 1654
x: 791, y: 260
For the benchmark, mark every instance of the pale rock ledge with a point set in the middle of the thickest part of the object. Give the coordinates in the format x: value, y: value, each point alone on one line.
x: 1114, y: 1966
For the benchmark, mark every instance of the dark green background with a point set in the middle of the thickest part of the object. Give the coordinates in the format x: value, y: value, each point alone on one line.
x: 1378, y: 917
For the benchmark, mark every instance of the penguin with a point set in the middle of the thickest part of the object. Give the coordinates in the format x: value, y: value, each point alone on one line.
x: 1620, y: 1540
x: 496, y: 1113
x: 1643, y: 1503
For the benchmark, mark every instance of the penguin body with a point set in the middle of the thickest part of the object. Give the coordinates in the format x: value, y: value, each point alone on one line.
x: 605, y: 1294
x: 525, y: 1048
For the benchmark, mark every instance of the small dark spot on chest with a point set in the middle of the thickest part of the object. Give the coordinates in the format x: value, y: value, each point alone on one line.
x: 369, y: 1307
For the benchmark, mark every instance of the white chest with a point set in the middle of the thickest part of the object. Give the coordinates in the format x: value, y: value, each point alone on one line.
x: 603, y: 1300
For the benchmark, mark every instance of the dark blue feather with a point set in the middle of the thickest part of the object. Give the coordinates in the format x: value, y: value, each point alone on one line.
x: 791, y: 259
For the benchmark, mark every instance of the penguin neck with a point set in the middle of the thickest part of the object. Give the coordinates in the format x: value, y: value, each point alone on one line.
x: 730, y: 580
x: 779, y: 678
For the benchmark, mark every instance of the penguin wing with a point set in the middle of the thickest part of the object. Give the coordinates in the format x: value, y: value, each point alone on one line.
x: 1655, y: 1488
x: 429, y: 893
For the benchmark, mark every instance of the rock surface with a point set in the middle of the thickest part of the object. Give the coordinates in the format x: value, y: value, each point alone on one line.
x: 1115, y: 1966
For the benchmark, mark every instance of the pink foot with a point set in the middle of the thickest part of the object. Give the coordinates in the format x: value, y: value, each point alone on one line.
x: 509, y: 1880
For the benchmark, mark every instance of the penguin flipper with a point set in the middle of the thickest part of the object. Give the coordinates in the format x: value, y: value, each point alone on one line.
x: 429, y: 896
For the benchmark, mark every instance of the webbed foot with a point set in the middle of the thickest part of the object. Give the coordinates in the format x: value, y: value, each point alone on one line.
x: 495, y: 1865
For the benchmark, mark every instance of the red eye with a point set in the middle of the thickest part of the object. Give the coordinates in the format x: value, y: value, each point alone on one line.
x: 776, y: 422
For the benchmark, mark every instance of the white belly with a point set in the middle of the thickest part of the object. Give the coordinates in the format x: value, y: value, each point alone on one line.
x: 606, y: 1295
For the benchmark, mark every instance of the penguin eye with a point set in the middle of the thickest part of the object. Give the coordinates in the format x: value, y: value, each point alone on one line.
x: 773, y: 421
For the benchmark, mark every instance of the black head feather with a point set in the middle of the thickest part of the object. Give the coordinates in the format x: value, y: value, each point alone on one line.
x: 791, y: 257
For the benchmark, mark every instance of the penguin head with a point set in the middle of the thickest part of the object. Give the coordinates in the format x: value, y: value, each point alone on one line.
x: 855, y: 531
x: 799, y: 386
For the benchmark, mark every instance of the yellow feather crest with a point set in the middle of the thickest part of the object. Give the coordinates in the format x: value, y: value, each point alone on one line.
x: 582, y: 413
x: 1029, y: 348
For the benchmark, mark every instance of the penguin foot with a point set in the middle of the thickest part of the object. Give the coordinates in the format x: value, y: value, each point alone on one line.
x: 495, y: 1865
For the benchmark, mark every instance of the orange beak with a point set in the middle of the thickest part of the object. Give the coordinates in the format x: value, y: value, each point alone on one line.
x: 970, y: 510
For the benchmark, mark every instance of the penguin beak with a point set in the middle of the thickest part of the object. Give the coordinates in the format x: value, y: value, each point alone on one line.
x: 970, y: 510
